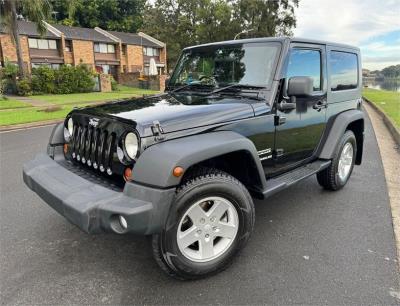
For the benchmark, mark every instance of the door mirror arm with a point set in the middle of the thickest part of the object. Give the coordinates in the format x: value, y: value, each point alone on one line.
x: 284, y: 105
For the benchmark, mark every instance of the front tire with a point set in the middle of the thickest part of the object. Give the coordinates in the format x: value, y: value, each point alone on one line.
x: 212, y: 220
x: 338, y: 173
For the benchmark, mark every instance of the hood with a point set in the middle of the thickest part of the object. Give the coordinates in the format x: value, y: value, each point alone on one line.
x: 174, y: 112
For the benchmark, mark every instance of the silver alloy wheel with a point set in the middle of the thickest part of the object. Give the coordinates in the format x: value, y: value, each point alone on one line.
x: 207, y: 229
x: 345, y: 161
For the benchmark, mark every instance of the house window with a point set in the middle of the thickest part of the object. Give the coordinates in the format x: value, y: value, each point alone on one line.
x: 42, y: 44
x: 104, y: 48
x: 52, y: 44
x: 68, y: 45
x: 110, y: 49
x: 123, y: 50
x: 33, y: 43
x: 53, y: 66
x: 148, y: 51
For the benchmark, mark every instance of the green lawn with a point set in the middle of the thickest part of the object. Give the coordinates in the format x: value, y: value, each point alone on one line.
x: 387, y: 101
x: 26, y: 115
x: 10, y: 103
x: 123, y: 92
x: 33, y: 114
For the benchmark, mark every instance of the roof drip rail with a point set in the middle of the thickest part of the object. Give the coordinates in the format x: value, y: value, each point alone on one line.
x: 109, y: 35
x: 152, y: 39
x: 52, y: 29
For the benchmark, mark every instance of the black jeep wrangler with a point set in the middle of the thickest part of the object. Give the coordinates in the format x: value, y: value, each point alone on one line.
x: 239, y: 120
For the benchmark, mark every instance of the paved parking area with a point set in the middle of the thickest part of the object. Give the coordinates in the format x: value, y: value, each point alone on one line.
x: 309, y: 247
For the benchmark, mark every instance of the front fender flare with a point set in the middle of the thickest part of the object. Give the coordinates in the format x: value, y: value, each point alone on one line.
x: 154, y: 167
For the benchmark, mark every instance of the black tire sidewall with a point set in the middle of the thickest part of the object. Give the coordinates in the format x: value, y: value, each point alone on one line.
x: 203, y: 189
x: 348, y: 137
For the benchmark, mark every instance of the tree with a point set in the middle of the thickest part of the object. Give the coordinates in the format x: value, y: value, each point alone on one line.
x: 180, y: 23
x: 118, y: 15
x: 34, y: 10
x: 391, y: 71
x: 266, y: 18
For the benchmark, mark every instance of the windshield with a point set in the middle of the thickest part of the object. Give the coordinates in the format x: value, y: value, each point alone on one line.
x: 221, y: 65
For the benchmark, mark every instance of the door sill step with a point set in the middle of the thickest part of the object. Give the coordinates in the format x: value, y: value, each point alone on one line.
x: 292, y: 177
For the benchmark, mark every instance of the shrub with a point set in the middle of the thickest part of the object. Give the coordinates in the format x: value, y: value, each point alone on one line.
x: 24, y: 87
x: 10, y: 70
x: 43, y: 80
x: 65, y: 80
x: 8, y: 76
x: 114, y: 84
x: 83, y: 79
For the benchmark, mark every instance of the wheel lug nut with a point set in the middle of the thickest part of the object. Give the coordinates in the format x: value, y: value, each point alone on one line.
x: 199, y: 232
x: 213, y: 219
x: 207, y: 235
x: 215, y: 228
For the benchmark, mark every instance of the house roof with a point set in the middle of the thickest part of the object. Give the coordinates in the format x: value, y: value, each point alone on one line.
x: 29, y: 28
x: 82, y: 33
x: 133, y: 39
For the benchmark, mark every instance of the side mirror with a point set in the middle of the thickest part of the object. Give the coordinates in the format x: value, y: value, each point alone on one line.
x: 300, y: 86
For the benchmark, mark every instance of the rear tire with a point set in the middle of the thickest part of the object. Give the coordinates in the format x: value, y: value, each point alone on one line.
x: 218, y: 213
x: 338, y: 173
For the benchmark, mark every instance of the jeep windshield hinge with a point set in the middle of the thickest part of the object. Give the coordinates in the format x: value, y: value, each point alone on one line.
x: 279, y: 120
x: 157, y: 130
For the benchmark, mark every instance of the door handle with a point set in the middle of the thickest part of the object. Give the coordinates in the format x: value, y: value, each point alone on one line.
x: 320, y: 105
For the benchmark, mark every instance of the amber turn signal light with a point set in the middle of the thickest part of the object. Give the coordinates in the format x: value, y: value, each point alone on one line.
x: 128, y: 174
x: 65, y: 148
x: 178, y: 171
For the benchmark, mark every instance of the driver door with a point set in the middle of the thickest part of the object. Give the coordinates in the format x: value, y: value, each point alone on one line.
x: 300, y: 130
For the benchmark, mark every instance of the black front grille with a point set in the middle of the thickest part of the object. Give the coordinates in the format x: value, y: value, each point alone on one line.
x: 94, y: 146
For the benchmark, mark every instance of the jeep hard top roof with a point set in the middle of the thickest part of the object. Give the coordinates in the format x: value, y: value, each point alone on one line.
x: 282, y: 40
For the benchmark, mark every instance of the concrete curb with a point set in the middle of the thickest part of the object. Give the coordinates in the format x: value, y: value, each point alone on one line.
x: 25, y: 126
x: 387, y: 121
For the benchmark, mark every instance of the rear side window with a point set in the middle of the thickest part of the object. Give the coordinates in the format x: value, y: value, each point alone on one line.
x: 305, y: 62
x: 343, y: 70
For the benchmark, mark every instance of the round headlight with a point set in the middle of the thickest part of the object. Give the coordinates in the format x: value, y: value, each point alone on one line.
x: 70, y: 126
x: 131, y: 145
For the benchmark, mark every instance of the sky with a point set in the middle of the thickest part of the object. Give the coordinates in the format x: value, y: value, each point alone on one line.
x: 372, y: 25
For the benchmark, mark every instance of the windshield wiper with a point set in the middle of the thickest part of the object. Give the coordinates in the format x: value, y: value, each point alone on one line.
x: 187, y: 86
x: 236, y: 85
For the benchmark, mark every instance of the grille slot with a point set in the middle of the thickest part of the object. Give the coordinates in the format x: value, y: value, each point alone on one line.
x: 94, y: 145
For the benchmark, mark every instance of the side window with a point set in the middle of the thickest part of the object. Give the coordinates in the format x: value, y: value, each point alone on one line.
x: 343, y: 70
x: 305, y: 62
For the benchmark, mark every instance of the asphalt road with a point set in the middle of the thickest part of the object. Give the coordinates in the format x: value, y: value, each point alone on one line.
x: 309, y: 247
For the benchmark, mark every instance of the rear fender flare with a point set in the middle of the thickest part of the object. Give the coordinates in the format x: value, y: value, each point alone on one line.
x: 336, y: 131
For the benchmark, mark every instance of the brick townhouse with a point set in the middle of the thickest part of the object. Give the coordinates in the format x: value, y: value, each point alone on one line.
x: 109, y: 52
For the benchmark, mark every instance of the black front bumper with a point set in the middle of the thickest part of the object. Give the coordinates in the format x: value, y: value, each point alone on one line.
x: 95, y: 208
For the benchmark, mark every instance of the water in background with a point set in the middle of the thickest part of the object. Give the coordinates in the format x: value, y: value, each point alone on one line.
x: 387, y: 84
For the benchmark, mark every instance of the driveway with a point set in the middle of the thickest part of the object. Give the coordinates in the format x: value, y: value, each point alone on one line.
x: 310, y: 246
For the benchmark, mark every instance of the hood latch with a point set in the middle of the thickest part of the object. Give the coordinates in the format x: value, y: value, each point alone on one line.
x: 157, y: 130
